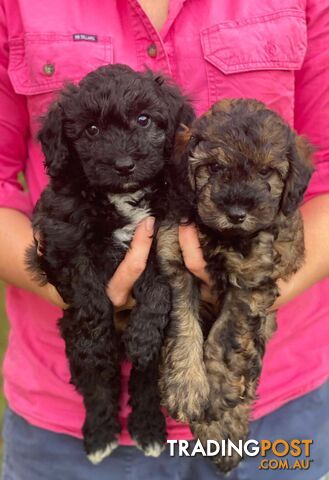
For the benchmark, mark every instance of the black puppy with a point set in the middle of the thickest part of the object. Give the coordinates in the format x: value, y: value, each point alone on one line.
x: 106, y: 143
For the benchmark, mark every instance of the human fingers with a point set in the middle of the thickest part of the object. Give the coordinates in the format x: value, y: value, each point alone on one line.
x: 133, y: 264
x: 192, y: 252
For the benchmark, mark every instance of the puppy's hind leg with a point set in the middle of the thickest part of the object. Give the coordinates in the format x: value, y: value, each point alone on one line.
x: 93, y: 352
x: 101, y: 427
x: 183, y: 383
x: 144, y: 334
x: 146, y: 423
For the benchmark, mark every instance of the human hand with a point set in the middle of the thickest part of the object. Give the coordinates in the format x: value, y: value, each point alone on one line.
x: 50, y: 293
x: 120, y: 286
x: 194, y: 261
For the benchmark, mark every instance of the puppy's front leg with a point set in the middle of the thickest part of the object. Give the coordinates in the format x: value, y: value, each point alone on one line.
x: 235, y: 346
x: 224, y: 359
x: 144, y: 334
x: 183, y: 382
x: 233, y: 358
x: 236, y: 342
x: 146, y: 423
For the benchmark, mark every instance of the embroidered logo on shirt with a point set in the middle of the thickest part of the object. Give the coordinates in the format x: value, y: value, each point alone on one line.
x: 85, y: 37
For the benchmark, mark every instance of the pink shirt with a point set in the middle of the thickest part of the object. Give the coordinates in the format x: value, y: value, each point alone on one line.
x: 272, y: 50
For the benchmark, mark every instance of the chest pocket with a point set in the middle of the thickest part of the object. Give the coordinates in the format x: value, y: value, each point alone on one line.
x: 44, y: 62
x: 256, y: 57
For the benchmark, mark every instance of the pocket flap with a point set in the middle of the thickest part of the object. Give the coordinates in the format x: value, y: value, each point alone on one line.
x: 40, y: 63
x: 275, y: 41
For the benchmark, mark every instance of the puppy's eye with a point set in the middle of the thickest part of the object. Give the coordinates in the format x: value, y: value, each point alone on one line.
x: 143, y: 120
x: 214, y: 168
x: 193, y: 141
x: 266, y: 172
x: 92, y: 130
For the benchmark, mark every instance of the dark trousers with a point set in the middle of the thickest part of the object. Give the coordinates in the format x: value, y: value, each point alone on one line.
x: 32, y: 453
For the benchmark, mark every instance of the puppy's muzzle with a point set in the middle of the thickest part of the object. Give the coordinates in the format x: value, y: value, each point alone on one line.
x: 124, y: 166
x: 236, y: 214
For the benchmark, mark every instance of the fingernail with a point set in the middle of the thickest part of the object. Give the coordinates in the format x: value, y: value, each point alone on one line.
x: 184, y: 221
x: 149, y: 224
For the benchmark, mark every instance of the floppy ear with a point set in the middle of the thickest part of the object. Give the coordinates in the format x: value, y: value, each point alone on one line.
x: 53, y: 142
x: 183, y: 144
x: 181, y: 182
x: 300, y: 171
x: 180, y: 110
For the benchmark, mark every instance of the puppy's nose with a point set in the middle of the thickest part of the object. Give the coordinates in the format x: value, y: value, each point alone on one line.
x: 236, y: 214
x: 124, y: 166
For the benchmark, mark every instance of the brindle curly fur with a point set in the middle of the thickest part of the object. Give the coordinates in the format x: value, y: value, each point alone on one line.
x: 243, y: 172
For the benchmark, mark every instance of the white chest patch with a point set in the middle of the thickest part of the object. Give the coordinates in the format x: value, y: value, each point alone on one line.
x: 134, y: 209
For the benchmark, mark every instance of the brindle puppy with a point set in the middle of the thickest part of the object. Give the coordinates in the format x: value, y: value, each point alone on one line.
x: 244, y: 171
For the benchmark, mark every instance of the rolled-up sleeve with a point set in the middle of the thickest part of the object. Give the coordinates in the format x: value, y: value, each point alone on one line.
x: 312, y: 94
x: 14, y: 128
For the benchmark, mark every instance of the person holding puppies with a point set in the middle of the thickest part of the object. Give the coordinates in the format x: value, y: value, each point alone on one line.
x: 214, y: 50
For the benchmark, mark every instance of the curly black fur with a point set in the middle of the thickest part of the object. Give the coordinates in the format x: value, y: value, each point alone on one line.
x: 106, y: 144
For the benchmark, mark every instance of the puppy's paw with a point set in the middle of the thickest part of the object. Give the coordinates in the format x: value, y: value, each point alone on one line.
x: 100, y: 439
x: 186, y: 394
x: 150, y: 449
x: 257, y: 267
x: 233, y: 425
x: 147, y: 427
x: 98, y: 455
x: 264, y: 251
x: 227, y: 463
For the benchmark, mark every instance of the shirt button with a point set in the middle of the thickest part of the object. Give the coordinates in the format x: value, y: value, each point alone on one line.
x: 152, y: 51
x: 49, y: 69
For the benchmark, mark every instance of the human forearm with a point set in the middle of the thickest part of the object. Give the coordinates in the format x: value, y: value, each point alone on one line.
x: 316, y: 265
x: 15, y: 237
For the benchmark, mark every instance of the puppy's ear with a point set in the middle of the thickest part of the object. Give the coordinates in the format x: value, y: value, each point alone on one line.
x: 182, y: 139
x: 180, y: 110
x: 182, y: 182
x: 179, y: 158
x: 185, y: 142
x: 300, y: 171
x: 53, y: 141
